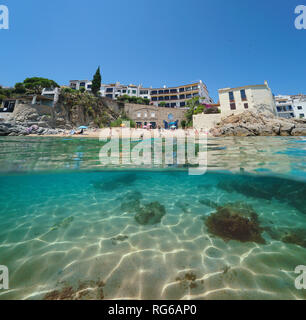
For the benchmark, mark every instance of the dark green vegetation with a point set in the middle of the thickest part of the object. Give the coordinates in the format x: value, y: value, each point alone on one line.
x: 195, y: 107
x: 84, y: 105
x: 33, y: 85
x: 96, y: 82
x: 137, y: 100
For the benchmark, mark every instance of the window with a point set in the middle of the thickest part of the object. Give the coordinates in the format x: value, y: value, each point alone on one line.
x: 302, y: 115
x: 182, y: 104
x: 160, y: 98
x: 160, y: 91
x: 279, y: 109
x: 152, y: 114
x: 109, y: 89
x: 144, y: 92
x: 173, y: 105
x: 195, y: 88
x: 154, y: 98
x: 188, y: 96
x: 173, y: 97
x: 154, y: 92
x: 145, y: 115
x: 231, y: 96
x: 166, y: 91
x: 138, y: 114
x: 246, y: 106
x: 289, y: 108
x: 173, y: 91
x: 124, y: 91
x: 82, y: 84
x: 300, y: 107
x: 182, y: 96
x: 167, y: 98
x: 109, y: 96
x: 89, y: 86
x: 233, y: 106
x: 134, y: 91
x: 182, y: 89
x: 243, y: 95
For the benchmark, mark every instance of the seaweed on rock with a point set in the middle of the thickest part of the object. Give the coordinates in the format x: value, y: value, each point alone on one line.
x: 235, y: 221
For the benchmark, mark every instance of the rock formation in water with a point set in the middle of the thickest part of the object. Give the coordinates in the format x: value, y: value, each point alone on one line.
x: 284, y: 190
x: 150, y: 213
x: 235, y: 221
x: 249, y: 123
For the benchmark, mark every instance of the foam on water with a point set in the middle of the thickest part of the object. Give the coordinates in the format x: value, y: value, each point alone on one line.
x: 75, y: 232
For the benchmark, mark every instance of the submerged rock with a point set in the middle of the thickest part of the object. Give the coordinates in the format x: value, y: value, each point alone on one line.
x: 151, y: 213
x: 268, y: 188
x: 235, y: 221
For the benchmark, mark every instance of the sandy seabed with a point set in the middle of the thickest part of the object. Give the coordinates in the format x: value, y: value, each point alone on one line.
x: 70, y: 236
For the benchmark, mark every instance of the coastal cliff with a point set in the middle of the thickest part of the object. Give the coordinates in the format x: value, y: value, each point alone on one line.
x: 258, y: 124
x: 72, y: 110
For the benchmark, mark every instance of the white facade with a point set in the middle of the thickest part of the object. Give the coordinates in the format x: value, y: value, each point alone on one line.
x: 291, y: 106
x: 52, y: 93
x: 253, y: 97
x: 175, y: 97
x: 79, y: 84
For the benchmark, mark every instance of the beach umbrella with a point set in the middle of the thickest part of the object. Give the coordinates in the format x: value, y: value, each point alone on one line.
x: 83, y: 127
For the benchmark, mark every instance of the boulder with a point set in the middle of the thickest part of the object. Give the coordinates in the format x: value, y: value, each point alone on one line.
x: 300, y: 131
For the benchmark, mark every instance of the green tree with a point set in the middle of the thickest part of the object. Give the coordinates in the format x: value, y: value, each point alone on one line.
x: 96, y: 82
x: 35, y: 85
x: 20, y: 88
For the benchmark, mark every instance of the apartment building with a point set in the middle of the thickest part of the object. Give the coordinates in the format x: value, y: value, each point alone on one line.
x: 79, y: 84
x: 251, y: 97
x: 291, y: 106
x: 173, y: 97
x: 177, y: 97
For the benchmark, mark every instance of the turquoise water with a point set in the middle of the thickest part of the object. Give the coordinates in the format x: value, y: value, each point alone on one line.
x: 68, y: 227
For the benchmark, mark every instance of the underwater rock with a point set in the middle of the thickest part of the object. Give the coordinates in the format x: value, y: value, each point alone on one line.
x: 295, y: 238
x: 151, y: 213
x: 285, y: 190
x: 119, y: 238
x: 188, y: 280
x: 63, y: 224
x: 235, y: 221
x: 87, y: 290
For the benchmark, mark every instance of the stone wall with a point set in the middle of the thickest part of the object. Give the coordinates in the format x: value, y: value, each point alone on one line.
x: 206, y: 121
x: 28, y: 115
x: 148, y: 113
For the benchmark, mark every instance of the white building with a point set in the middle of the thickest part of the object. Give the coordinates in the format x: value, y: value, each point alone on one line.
x: 291, y: 106
x: 173, y: 97
x: 79, y: 84
x: 252, y: 97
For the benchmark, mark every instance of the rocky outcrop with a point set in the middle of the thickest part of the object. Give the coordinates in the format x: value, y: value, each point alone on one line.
x: 13, y: 129
x: 258, y: 124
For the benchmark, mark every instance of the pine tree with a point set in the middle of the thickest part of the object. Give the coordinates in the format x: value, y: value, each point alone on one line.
x: 96, y: 82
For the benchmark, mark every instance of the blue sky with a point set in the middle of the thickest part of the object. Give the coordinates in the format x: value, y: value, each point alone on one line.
x: 154, y: 42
